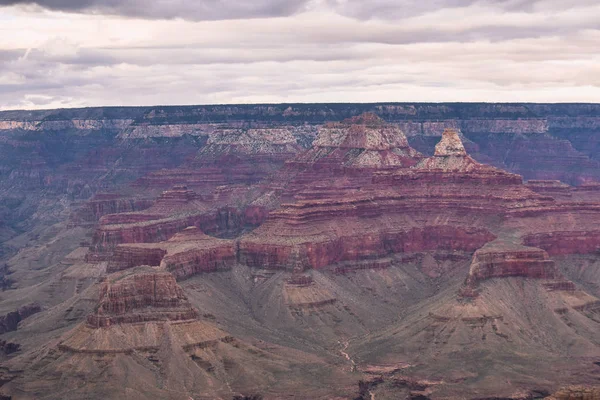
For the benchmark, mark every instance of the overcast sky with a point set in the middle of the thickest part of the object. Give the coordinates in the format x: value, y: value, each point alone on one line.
x: 70, y: 53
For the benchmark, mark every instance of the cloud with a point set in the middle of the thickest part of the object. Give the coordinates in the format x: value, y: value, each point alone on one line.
x: 167, y: 9
x: 313, y: 51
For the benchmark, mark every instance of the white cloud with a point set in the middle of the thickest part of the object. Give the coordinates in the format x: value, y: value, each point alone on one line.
x: 444, y: 50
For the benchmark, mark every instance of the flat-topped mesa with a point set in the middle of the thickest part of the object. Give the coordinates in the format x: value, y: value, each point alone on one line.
x: 343, y: 157
x: 106, y: 203
x: 192, y: 252
x: 188, y: 253
x: 367, y: 131
x: 500, y: 259
x: 172, y: 212
x: 141, y: 295
x: 180, y: 194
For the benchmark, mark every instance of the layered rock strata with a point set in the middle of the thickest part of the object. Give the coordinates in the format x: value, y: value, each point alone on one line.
x: 401, y: 210
x: 500, y: 259
x: 141, y: 295
x: 186, y: 254
x: 172, y: 212
x: 231, y: 156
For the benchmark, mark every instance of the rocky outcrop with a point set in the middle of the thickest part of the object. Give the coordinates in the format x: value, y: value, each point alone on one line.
x: 107, y: 237
x: 125, y: 257
x: 104, y: 204
x: 186, y: 254
x: 500, y: 259
x: 141, y: 295
x: 359, y: 220
x: 566, y: 242
x: 450, y: 146
x: 577, y: 393
x: 9, y: 322
x: 172, y: 212
x: 231, y: 156
x: 191, y: 252
x: 9, y: 347
x: 364, y: 142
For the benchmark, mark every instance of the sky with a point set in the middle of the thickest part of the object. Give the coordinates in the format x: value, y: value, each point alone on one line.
x: 76, y: 53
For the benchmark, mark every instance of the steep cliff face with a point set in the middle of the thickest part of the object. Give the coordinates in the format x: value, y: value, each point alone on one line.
x: 501, y: 259
x: 188, y: 253
x: 368, y: 220
x: 577, y: 393
x: 141, y: 295
x: 363, y: 142
x: 231, y: 156
x: 337, y: 239
x: 10, y: 321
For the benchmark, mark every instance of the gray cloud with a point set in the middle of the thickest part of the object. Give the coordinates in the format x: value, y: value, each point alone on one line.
x: 381, y: 50
x: 400, y: 9
x: 167, y: 9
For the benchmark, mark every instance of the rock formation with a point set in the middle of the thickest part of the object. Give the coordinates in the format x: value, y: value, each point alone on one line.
x: 187, y: 253
x: 231, y: 156
x: 9, y: 322
x: 141, y: 295
x: 499, y: 259
x: 322, y: 227
x: 285, y: 254
x: 577, y: 393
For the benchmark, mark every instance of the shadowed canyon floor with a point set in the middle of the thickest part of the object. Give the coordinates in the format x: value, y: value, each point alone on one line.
x: 303, y: 258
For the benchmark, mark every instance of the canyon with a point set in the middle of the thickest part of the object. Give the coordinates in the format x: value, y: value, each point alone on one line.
x: 311, y: 251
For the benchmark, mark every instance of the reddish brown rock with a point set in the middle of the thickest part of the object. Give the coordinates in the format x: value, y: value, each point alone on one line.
x: 352, y: 219
x: 172, y: 212
x: 353, y: 148
x: 192, y: 252
x: 104, y: 204
x: 143, y: 294
x: 187, y: 253
x: 500, y: 259
x: 125, y: 257
x: 550, y: 187
x: 577, y: 393
x: 565, y: 242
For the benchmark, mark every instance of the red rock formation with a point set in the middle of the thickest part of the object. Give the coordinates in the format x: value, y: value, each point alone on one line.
x: 104, y: 204
x: 144, y: 294
x: 577, y: 393
x: 125, y: 257
x: 107, y: 237
x: 565, y: 242
x: 355, y: 220
x: 186, y: 254
x: 355, y: 148
x: 192, y: 252
x: 172, y: 212
x: 500, y: 259
x: 551, y: 188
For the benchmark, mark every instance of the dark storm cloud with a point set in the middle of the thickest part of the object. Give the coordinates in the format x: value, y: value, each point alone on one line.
x: 168, y: 9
